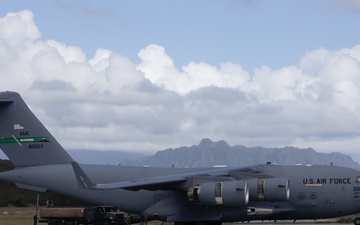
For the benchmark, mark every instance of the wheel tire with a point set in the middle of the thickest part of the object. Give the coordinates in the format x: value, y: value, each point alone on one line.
x: 52, y: 222
x: 106, y: 222
x: 357, y: 221
x: 187, y: 223
x: 208, y: 223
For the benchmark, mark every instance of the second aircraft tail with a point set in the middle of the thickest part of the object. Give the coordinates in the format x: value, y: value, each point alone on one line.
x: 23, y: 138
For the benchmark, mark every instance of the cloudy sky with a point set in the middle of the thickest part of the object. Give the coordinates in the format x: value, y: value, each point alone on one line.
x: 144, y: 76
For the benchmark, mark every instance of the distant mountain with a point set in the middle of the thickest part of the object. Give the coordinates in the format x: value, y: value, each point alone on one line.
x: 209, y: 153
x: 104, y: 157
x: 99, y: 157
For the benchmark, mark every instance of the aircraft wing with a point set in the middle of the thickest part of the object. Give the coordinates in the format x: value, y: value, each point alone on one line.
x: 151, y: 183
x: 146, y: 183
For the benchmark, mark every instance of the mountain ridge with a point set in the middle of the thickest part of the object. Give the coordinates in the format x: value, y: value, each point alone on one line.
x: 209, y: 153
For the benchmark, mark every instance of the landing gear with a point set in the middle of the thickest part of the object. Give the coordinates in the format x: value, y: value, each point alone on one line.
x: 200, y: 223
x: 357, y: 221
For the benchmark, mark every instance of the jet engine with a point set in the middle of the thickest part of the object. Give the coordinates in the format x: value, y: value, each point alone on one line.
x: 269, y: 189
x: 227, y: 193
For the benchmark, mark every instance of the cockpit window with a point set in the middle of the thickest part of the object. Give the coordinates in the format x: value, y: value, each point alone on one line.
x: 357, y: 179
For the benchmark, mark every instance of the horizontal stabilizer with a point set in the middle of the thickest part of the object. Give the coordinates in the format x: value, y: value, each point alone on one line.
x: 6, y: 98
x: 5, y: 101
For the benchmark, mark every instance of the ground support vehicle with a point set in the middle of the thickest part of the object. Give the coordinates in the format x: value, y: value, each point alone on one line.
x: 94, y: 215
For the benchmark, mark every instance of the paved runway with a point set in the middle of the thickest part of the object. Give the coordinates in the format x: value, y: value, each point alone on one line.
x: 288, y: 223
x: 291, y: 222
x: 285, y: 223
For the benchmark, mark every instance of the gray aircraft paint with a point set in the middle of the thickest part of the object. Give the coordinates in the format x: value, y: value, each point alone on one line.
x: 173, y: 194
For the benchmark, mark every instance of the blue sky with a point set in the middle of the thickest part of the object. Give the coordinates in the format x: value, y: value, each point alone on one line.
x: 251, y: 33
x: 143, y: 76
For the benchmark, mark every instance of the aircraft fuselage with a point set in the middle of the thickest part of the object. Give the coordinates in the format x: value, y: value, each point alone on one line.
x: 315, y: 191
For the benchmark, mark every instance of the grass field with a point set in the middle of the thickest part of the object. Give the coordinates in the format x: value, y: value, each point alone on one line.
x: 24, y: 216
x: 17, y: 215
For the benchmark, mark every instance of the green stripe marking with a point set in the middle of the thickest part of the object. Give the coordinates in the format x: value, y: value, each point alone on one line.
x: 24, y: 140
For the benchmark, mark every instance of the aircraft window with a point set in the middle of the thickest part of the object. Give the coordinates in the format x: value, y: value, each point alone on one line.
x: 218, y: 189
x: 357, y: 180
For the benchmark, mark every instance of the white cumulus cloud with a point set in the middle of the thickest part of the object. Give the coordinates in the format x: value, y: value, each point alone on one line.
x: 110, y: 102
x: 18, y: 27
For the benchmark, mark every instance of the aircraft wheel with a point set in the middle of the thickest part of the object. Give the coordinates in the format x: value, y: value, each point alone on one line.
x: 210, y: 223
x: 357, y: 221
x: 200, y: 223
x: 106, y: 222
x: 216, y: 223
x: 52, y: 222
x: 185, y: 223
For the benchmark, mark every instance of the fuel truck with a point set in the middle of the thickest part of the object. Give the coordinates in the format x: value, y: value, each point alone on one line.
x: 92, y: 215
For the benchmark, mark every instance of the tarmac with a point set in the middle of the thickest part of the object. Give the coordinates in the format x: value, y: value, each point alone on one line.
x: 291, y: 222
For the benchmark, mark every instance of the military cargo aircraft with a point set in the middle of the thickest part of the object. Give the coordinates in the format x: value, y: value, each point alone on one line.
x: 185, y: 196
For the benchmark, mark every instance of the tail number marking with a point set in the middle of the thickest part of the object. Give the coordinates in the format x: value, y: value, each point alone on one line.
x: 36, y: 146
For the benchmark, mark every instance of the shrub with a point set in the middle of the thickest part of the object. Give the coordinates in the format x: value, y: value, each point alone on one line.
x: 19, y: 201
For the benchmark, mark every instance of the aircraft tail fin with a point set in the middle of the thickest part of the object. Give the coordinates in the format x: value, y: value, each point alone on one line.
x: 23, y: 138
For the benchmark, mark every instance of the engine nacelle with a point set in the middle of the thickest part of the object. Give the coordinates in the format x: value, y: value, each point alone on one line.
x: 227, y: 193
x: 269, y: 189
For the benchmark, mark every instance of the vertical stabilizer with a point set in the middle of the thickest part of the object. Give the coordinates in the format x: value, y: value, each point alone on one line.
x: 23, y: 138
